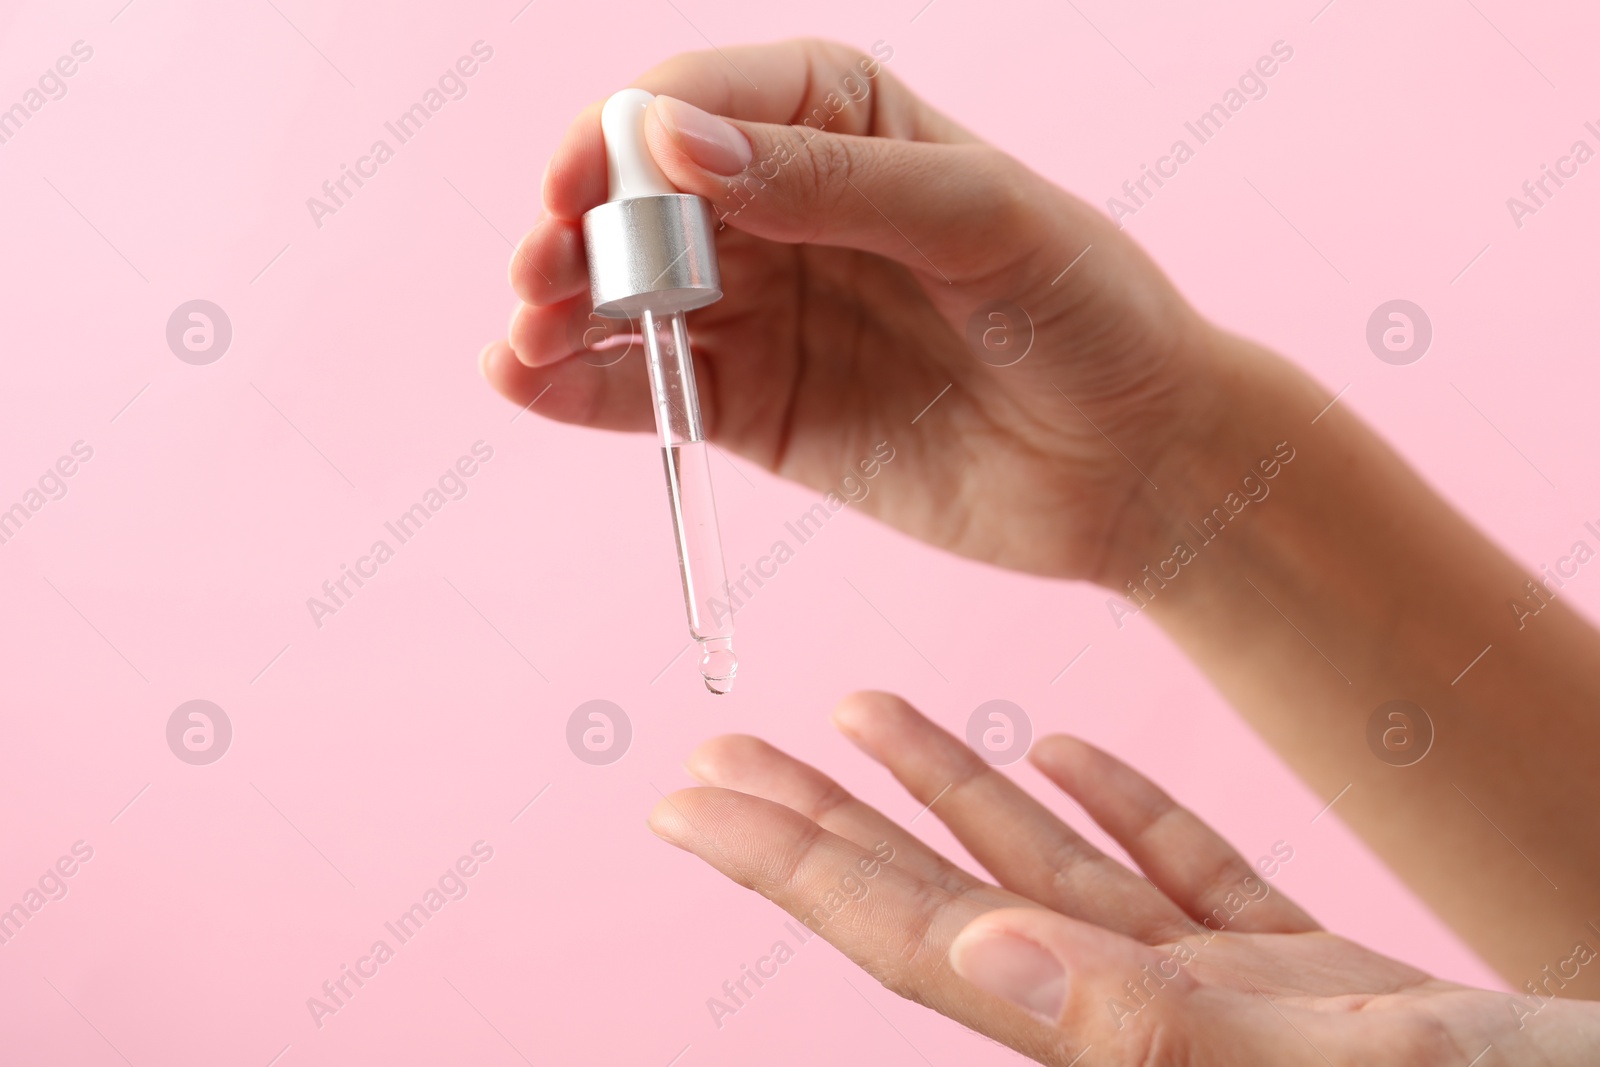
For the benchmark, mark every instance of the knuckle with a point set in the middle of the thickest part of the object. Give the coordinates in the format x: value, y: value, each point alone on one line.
x: 831, y: 797
x: 1015, y: 206
x: 913, y: 955
x: 1152, y: 814
x: 832, y: 165
x: 784, y: 874
x: 1227, y: 879
x: 1066, y: 860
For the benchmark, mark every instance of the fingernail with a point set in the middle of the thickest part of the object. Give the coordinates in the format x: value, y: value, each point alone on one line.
x: 707, y: 140
x: 1014, y: 968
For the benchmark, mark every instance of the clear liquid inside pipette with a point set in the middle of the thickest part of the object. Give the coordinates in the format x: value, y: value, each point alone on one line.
x: 687, y: 463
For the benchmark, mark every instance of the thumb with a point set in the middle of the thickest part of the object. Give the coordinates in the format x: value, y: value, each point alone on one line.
x: 1086, y: 981
x: 949, y: 211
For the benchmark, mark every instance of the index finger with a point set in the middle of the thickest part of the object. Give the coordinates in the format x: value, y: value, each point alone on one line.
x: 821, y: 83
x: 892, y: 923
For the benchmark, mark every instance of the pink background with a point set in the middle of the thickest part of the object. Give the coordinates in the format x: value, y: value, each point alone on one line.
x: 375, y: 751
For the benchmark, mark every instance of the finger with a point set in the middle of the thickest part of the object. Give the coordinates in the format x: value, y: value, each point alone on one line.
x: 750, y: 765
x: 605, y: 387
x: 1059, y: 969
x: 548, y: 264
x: 1020, y: 842
x: 544, y: 335
x: 1131, y: 1002
x: 934, y: 208
x: 807, y: 80
x: 575, y: 177
x: 1186, y: 859
x: 891, y: 923
x: 823, y: 83
x: 573, y: 391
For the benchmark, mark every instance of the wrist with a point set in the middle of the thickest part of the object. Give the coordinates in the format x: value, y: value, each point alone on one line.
x: 1249, y: 411
x: 1346, y: 583
x: 1553, y: 1031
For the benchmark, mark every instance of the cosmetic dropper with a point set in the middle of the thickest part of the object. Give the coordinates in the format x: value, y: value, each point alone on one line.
x: 651, y: 260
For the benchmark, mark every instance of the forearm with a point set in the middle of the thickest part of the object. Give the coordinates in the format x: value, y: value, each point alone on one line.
x: 1349, y: 584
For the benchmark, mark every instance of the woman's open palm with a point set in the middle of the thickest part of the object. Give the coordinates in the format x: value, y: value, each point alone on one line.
x: 1070, y: 956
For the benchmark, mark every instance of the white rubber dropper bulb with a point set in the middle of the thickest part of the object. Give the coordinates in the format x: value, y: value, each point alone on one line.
x: 630, y: 169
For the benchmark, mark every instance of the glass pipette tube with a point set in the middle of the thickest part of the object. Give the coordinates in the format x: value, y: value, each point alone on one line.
x: 686, y: 458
